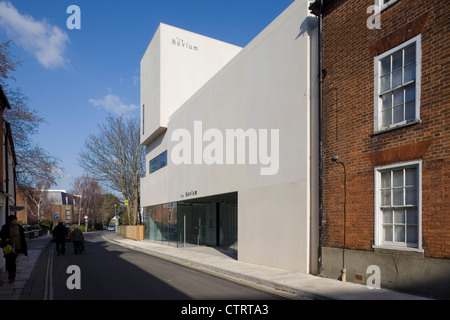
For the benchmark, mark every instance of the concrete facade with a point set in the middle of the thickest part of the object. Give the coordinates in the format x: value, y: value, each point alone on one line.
x: 265, y: 96
x: 177, y: 63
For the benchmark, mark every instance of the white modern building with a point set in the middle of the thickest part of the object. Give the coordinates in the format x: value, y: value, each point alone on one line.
x: 231, y: 137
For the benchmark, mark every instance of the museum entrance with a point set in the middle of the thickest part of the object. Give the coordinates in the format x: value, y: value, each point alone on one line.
x: 209, y: 221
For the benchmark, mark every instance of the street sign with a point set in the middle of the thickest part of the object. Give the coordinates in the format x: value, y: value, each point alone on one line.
x: 56, y: 216
x: 126, y: 202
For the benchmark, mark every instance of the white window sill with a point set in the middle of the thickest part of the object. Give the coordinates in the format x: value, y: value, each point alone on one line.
x: 395, y: 127
x: 396, y: 248
x: 387, y: 5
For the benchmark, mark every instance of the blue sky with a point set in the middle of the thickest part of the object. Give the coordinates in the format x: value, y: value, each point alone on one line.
x: 75, y: 78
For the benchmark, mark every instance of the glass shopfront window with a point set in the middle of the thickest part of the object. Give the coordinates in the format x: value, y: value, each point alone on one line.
x: 228, y: 226
x: 208, y: 221
x: 161, y: 223
x: 192, y: 226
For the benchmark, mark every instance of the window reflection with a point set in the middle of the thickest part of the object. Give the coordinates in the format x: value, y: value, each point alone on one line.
x: 209, y: 221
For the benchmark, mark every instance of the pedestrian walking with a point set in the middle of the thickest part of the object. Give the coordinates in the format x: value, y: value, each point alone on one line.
x: 60, y: 233
x: 13, y: 242
x: 77, y: 239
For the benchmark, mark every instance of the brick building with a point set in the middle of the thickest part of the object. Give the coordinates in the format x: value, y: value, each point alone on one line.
x: 7, y: 169
x: 385, y: 121
x: 65, y: 205
x: 45, y: 204
x: 7, y: 164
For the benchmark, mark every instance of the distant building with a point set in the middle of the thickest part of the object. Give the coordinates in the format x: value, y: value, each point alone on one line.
x: 64, y: 205
x: 45, y: 204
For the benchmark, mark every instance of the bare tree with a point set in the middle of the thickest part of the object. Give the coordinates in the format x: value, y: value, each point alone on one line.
x: 89, y: 192
x: 115, y: 157
x: 34, y: 164
x: 110, y: 206
x: 36, y: 198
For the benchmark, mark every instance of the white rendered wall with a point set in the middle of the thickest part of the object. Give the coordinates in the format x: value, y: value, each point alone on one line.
x: 176, y: 64
x: 268, y: 85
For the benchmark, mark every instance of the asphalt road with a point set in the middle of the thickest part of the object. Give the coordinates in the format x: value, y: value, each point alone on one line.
x: 106, y: 271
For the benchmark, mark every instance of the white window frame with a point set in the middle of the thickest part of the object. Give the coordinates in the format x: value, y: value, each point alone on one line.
x: 381, y: 6
x: 378, y: 219
x: 378, y: 126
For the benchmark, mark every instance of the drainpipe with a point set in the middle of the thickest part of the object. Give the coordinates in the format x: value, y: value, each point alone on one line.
x: 320, y: 137
x: 344, y: 270
x: 316, y: 9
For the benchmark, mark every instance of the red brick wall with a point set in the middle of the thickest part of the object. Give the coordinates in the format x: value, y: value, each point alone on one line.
x: 349, y: 48
x: 2, y: 155
x: 21, y: 201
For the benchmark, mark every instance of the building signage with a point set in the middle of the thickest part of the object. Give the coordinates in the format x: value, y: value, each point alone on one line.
x: 189, y: 194
x: 183, y: 44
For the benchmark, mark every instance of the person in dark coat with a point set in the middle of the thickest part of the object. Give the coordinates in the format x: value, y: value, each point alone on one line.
x: 60, y: 232
x: 77, y: 239
x: 13, y: 242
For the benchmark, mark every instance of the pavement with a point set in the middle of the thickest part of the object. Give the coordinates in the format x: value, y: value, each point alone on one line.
x: 25, y: 266
x: 294, y: 285
x: 211, y: 260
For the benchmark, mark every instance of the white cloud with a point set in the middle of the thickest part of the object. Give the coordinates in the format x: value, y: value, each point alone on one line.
x: 61, y: 173
x: 113, y: 103
x: 137, y: 77
x: 45, y: 41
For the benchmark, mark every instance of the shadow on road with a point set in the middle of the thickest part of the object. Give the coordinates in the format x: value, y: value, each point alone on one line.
x: 109, y: 272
